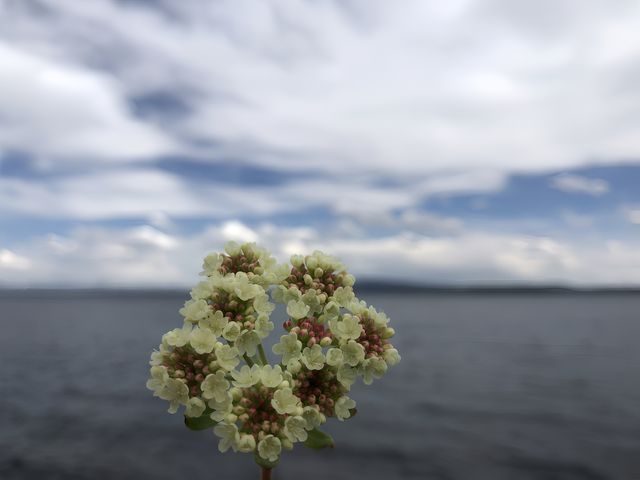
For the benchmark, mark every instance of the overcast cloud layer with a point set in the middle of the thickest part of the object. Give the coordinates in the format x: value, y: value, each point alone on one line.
x: 435, y: 142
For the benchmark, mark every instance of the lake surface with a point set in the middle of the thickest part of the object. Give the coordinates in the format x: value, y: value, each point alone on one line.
x: 496, y: 386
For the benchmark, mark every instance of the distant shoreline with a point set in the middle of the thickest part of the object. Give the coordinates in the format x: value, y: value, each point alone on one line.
x: 362, y: 287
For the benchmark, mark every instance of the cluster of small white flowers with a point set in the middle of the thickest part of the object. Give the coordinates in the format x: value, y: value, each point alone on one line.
x: 259, y: 265
x: 331, y: 339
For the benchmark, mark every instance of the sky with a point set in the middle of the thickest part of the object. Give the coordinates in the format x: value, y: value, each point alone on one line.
x: 464, y: 142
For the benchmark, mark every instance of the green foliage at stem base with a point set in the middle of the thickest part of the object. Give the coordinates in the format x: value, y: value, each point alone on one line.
x: 200, y: 423
x: 264, y: 463
x: 318, y: 439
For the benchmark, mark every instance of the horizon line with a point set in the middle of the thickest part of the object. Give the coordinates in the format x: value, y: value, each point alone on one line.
x: 377, y: 286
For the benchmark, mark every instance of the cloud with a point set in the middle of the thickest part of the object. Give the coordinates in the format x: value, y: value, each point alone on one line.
x: 578, y: 184
x: 52, y: 109
x: 633, y: 214
x: 144, y: 192
x: 11, y: 261
x: 146, y: 256
x: 422, y: 89
x: 375, y: 117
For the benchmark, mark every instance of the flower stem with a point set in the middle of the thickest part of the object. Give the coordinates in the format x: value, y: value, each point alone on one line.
x: 263, y: 356
x: 266, y: 474
x: 248, y: 360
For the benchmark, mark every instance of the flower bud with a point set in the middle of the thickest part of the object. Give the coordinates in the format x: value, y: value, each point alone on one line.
x: 247, y: 443
x: 297, y: 261
x: 325, y: 342
x: 294, y: 366
x: 236, y: 393
x: 312, y: 263
x: 388, y: 333
x: 238, y: 410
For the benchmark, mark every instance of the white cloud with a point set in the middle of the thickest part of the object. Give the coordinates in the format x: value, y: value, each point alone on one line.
x: 390, y: 106
x: 51, y: 110
x: 633, y: 214
x: 11, y: 261
x: 157, y: 195
x: 468, y: 181
x: 145, y: 256
x: 578, y: 184
x: 363, y: 86
x: 147, y: 235
x: 238, y: 232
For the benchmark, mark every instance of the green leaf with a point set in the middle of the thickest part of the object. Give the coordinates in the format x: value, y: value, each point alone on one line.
x: 262, y: 462
x: 199, y: 423
x: 318, y: 439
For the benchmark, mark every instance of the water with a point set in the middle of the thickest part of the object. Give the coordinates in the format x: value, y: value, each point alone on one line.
x: 490, y: 387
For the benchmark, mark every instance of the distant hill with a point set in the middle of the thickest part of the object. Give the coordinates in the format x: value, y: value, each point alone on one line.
x: 364, y: 286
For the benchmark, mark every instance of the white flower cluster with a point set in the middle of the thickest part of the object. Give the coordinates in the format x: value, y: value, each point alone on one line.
x: 331, y: 339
